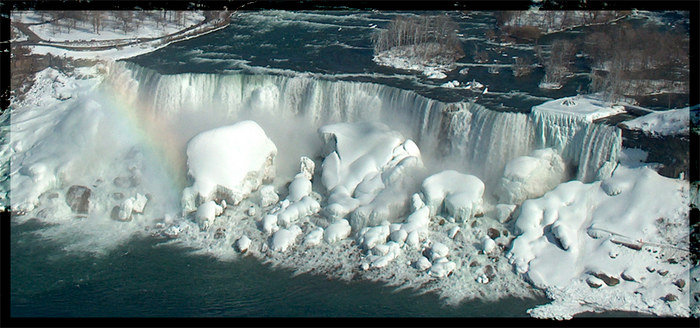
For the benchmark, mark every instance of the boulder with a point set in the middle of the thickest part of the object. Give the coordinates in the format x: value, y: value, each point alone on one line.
x: 78, y: 198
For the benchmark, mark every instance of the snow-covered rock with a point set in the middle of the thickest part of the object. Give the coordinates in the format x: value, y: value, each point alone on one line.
x: 336, y: 231
x: 206, y: 213
x: 314, y: 237
x: 215, y: 165
x: 530, y: 176
x: 268, y: 196
x: 284, y: 238
x: 242, y: 244
x: 666, y: 123
x: 460, y: 193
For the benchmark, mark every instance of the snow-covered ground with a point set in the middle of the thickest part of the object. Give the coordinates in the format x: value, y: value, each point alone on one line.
x: 111, y: 42
x: 144, y: 25
x: 666, y: 123
x: 620, y: 243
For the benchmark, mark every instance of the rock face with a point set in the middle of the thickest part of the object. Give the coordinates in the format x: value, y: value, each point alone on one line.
x: 78, y: 198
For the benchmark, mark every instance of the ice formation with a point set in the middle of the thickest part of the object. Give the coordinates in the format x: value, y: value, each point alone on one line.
x: 214, y: 163
x: 460, y: 194
x: 530, y: 176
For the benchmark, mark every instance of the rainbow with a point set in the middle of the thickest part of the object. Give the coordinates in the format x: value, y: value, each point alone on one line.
x: 156, y: 136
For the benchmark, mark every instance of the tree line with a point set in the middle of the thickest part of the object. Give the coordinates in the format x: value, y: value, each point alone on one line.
x: 96, y: 20
x: 428, y: 37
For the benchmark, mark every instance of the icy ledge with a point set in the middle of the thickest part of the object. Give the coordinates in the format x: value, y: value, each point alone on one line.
x: 616, y: 244
x: 585, y: 108
x: 666, y: 123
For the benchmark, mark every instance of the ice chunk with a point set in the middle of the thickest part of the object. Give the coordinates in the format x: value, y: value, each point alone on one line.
x: 299, y: 188
x: 442, y: 268
x: 437, y: 251
x: 461, y: 193
x: 228, y: 162
x: 374, y: 236
x: 242, y: 244
x: 530, y: 176
x: 338, y: 230
x: 303, y: 208
x: 206, y: 214
x: 487, y: 245
x: 269, y: 224
x: 503, y: 212
x: 307, y: 167
x: 422, y: 264
x: 284, y: 238
x: 314, y: 237
x: 268, y: 196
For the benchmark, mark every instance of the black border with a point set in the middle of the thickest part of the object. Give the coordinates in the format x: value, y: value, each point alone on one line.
x: 693, y: 6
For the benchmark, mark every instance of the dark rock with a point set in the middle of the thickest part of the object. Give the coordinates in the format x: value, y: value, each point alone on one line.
x: 473, y: 264
x: 78, y: 198
x: 493, y: 233
x: 673, y: 261
x: 489, y: 271
x: 650, y: 269
x: 122, y: 182
x: 220, y: 233
x: 442, y: 221
x: 670, y: 298
x: 593, y: 284
x: 474, y: 224
x: 662, y: 273
x: 627, y: 277
x: 610, y: 281
x: 115, y: 215
x: 680, y: 283
x: 505, y: 233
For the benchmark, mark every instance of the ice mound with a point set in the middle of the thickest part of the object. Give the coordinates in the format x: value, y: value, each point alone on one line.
x: 530, y: 176
x: 366, y: 170
x: 460, y: 193
x: 228, y: 163
x: 592, y: 249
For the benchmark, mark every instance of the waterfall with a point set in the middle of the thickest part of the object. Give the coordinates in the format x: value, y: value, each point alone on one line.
x: 480, y: 139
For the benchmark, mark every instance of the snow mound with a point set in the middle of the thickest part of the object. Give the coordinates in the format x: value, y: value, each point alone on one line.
x: 215, y: 165
x: 460, y: 193
x: 578, y: 235
x: 666, y: 123
x: 530, y: 176
x: 366, y: 171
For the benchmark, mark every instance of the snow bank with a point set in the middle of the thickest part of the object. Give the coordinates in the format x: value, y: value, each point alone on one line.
x: 214, y: 160
x: 460, y: 193
x: 666, y: 123
x: 530, y: 176
x: 578, y: 231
